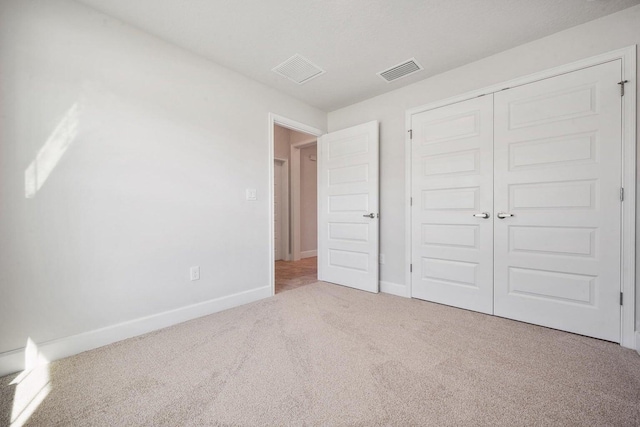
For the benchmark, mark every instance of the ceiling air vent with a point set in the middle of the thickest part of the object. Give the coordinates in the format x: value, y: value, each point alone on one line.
x: 299, y: 69
x: 404, y: 69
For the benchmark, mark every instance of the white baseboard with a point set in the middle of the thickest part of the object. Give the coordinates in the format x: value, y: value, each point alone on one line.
x: 393, y: 289
x: 14, y: 361
x: 308, y: 254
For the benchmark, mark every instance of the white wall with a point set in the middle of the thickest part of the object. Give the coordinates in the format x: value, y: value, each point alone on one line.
x: 136, y: 155
x: 308, y: 200
x: 606, y: 34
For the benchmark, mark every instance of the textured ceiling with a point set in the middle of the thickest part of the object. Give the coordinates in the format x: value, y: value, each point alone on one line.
x: 351, y: 39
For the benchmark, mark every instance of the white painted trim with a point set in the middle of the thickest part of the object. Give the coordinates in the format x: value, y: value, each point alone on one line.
x: 628, y: 57
x: 275, y: 119
x: 638, y: 342
x: 294, y: 155
x: 394, y: 289
x: 14, y: 361
x: 285, y: 208
x: 530, y: 78
x: 407, y: 204
x: 628, y: 286
x: 309, y: 254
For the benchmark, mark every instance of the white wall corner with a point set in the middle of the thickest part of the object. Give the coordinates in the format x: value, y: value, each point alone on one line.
x: 638, y: 341
x: 393, y: 289
x: 14, y: 361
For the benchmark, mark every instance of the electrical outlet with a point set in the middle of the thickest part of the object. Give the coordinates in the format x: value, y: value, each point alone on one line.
x: 381, y: 261
x: 252, y: 194
x: 194, y: 273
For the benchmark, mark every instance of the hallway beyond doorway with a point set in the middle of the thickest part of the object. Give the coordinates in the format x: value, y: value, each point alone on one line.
x: 293, y: 274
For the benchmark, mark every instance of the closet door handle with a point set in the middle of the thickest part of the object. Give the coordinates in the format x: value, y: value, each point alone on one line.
x: 503, y: 215
x: 484, y: 215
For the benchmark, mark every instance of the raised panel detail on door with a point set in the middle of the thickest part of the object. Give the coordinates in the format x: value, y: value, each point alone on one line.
x: 452, y: 173
x: 347, y: 195
x: 569, y: 194
x: 557, y: 153
x: 461, y: 235
x: 573, y: 241
x: 352, y: 231
x: 552, y: 285
x: 450, y: 199
x: 563, y: 104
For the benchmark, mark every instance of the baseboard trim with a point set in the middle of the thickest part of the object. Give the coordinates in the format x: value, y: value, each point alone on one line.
x: 14, y: 361
x: 393, y: 289
x: 309, y: 254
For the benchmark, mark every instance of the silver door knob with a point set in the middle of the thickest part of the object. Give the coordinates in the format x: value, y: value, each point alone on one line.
x: 503, y: 215
x: 371, y: 215
x: 484, y: 215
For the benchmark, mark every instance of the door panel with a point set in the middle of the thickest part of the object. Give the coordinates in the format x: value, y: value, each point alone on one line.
x: 452, y: 180
x: 558, y: 171
x: 347, y: 195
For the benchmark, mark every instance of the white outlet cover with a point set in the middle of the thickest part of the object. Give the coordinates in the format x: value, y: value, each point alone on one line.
x: 252, y: 194
x: 194, y: 273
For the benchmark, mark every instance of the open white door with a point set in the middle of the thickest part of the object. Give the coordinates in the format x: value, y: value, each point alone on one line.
x: 348, y: 207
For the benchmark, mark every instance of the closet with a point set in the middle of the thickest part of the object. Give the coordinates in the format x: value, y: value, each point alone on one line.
x: 516, y: 205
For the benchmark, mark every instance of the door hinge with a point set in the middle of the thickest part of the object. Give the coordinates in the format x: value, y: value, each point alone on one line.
x: 621, y: 298
x: 622, y: 194
x: 410, y: 201
x: 410, y: 133
x: 622, y: 86
x: 410, y: 268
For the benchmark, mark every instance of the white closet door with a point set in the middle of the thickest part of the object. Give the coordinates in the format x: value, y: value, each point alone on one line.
x: 348, y: 207
x: 452, y: 188
x: 558, y: 172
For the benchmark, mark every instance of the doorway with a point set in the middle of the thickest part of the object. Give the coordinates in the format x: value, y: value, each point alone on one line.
x: 294, y: 201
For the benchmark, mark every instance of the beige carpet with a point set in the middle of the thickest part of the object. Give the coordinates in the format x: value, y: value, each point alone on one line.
x: 328, y: 355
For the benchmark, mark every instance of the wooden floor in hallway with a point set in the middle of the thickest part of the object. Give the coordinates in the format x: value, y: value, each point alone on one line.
x: 293, y: 274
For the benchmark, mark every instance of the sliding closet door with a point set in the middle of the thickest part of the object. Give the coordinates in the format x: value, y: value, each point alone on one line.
x: 557, y: 189
x: 452, y: 232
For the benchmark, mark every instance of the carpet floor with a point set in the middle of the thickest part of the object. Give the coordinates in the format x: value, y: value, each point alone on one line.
x: 323, y: 354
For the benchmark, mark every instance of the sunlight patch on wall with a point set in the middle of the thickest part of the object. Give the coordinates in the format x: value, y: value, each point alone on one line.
x: 51, y: 152
x: 32, y: 385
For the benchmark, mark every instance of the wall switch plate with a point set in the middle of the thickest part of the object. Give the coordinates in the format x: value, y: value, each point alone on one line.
x: 252, y: 194
x: 381, y: 260
x: 194, y: 273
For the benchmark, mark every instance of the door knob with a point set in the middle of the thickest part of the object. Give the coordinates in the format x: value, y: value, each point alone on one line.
x: 484, y: 215
x: 503, y: 215
x: 371, y: 215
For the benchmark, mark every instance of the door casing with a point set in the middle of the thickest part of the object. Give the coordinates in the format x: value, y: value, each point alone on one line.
x: 628, y: 271
x: 296, y: 196
x: 285, y: 122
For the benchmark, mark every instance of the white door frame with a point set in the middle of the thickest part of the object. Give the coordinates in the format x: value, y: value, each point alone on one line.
x: 628, y: 271
x: 295, y: 197
x: 274, y: 120
x: 284, y: 224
